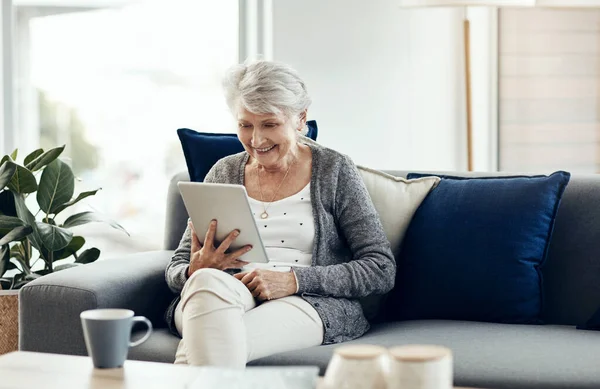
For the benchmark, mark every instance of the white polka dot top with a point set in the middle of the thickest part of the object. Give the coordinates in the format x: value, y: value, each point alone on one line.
x: 288, y: 233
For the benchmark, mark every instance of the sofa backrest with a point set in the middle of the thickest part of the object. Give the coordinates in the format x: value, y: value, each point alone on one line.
x: 571, y: 274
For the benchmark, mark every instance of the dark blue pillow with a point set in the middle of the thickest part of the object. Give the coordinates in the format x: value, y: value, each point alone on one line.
x: 474, y: 248
x: 202, y: 150
x: 593, y: 322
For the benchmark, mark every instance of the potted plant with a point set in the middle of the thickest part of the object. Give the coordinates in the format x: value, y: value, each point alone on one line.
x: 31, y: 238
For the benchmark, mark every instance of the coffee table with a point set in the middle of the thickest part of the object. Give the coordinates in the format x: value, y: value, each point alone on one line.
x: 29, y: 370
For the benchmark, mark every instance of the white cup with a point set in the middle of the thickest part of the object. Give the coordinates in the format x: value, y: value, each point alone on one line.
x: 357, y: 367
x: 420, y: 367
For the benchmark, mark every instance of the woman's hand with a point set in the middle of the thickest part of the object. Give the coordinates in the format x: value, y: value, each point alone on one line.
x: 208, y: 256
x: 267, y: 284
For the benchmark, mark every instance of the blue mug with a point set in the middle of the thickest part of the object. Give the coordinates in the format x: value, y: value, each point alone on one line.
x: 107, y: 334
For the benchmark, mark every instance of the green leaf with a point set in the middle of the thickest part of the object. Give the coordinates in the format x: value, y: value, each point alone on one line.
x: 14, y: 154
x: 32, y: 276
x: 88, y: 256
x: 73, y: 247
x: 16, y: 251
x: 26, y: 216
x: 66, y: 266
x: 80, y: 197
x: 5, y: 263
x: 19, y: 281
x: 17, y: 233
x: 4, y: 259
x: 8, y: 223
x: 89, y: 217
x: 7, y: 203
x: 19, y: 258
x: 6, y: 173
x: 54, y: 238
x: 44, y: 253
x: 23, y: 181
x: 56, y: 186
x: 44, y: 159
x: 33, y: 155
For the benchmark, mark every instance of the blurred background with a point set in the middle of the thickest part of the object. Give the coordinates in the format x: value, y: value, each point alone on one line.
x: 113, y: 80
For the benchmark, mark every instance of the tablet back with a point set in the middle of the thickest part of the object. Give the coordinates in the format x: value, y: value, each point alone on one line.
x: 229, y: 205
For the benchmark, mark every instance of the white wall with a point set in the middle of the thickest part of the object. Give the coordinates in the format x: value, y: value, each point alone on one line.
x: 484, y: 79
x: 386, y: 82
x: 7, y: 133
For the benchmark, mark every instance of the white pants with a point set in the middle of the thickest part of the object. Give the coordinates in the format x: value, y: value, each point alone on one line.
x: 221, y: 325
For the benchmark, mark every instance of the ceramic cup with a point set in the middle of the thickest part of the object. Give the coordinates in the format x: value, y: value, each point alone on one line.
x: 357, y: 367
x: 107, y: 334
x: 420, y: 367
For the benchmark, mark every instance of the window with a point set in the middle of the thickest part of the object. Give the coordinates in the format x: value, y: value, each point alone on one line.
x: 549, y: 108
x: 113, y: 85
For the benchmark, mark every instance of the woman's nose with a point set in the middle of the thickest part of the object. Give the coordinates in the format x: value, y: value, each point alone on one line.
x: 257, y: 137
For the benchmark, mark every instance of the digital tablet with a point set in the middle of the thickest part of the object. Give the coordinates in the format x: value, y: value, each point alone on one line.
x: 229, y: 205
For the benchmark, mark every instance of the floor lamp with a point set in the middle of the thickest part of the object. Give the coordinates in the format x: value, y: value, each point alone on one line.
x: 467, y: 46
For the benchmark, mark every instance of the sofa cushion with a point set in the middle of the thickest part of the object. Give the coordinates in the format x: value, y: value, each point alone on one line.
x: 474, y: 248
x: 396, y: 200
x: 160, y: 347
x: 486, y: 355
x: 202, y: 150
x: 592, y: 324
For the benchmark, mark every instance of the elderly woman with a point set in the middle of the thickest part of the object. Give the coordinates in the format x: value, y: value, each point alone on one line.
x: 324, y: 239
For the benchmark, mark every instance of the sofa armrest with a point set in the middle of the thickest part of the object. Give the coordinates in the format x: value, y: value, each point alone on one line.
x: 49, y: 307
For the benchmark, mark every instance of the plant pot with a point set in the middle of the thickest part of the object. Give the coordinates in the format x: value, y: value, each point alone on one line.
x: 9, y: 321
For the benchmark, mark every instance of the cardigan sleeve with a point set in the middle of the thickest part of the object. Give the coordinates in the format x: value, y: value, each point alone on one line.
x: 176, y: 273
x: 372, y: 268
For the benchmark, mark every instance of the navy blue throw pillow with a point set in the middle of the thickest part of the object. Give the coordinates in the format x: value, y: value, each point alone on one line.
x: 474, y: 248
x: 202, y: 150
x: 592, y: 324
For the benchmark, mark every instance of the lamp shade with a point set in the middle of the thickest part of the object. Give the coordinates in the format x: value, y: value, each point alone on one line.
x: 568, y: 3
x: 502, y: 3
x: 470, y: 3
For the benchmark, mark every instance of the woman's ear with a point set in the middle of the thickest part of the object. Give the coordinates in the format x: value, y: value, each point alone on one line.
x: 302, y: 122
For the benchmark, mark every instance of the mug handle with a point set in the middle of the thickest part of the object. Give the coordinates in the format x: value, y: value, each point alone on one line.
x: 148, y: 331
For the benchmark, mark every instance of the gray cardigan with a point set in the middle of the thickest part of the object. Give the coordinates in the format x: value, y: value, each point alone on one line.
x: 351, y: 258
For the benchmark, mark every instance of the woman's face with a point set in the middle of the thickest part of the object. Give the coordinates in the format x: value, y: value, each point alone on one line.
x: 270, y: 139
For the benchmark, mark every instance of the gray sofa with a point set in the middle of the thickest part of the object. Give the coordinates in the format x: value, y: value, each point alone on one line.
x: 487, y: 355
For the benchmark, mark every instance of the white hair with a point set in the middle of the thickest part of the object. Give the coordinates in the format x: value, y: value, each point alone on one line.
x: 264, y: 87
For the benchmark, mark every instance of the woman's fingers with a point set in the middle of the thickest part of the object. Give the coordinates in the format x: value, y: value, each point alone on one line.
x: 209, y: 238
x: 258, y: 289
x: 228, y: 241
x: 253, y: 284
x: 264, y: 296
x: 259, y: 292
x: 196, y: 245
x: 239, y: 252
x: 235, y: 264
x: 249, y: 277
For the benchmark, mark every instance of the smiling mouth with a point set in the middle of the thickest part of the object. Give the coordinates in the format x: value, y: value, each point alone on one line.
x: 265, y: 150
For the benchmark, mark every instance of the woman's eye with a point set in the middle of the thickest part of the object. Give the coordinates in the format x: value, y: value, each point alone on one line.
x: 270, y: 125
x: 242, y: 125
